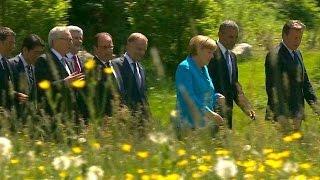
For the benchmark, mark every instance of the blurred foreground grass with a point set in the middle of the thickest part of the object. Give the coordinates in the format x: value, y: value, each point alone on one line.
x: 253, y: 150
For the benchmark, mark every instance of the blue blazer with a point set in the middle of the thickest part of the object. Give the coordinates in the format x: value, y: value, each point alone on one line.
x: 195, y: 92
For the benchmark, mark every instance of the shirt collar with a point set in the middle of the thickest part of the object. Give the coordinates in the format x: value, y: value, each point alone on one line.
x: 222, y: 48
x: 290, y: 50
x: 126, y: 55
x: 69, y: 55
x: 25, y: 64
x: 56, y: 53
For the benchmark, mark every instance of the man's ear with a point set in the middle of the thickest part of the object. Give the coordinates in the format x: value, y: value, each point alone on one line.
x: 25, y: 50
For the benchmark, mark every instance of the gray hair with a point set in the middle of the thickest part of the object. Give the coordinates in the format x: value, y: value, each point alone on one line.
x: 75, y: 28
x: 55, y: 33
x: 228, y: 24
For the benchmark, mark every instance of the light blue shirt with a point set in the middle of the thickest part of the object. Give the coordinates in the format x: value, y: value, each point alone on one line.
x: 195, y: 92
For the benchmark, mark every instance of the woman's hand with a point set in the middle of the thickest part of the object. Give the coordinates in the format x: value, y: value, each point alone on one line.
x: 214, y: 116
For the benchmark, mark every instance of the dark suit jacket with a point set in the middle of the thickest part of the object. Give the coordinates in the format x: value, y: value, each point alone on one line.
x: 105, y: 89
x: 132, y: 95
x: 6, y: 93
x: 20, y: 84
x: 287, y: 84
x: 48, y: 67
x: 232, y: 91
x: 20, y: 79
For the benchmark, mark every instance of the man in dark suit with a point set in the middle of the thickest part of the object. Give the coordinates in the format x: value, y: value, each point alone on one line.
x: 223, y: 71
x: 106, y: 82
x: 23, y: 69
x: 54, y: 68
x: 76, y: 66
x: 287, y: 82
x: 132, y: 75
x: 77, y: 37
x: 7, y: 94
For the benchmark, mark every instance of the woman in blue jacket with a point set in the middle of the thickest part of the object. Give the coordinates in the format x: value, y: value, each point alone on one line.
x: 196, y: 96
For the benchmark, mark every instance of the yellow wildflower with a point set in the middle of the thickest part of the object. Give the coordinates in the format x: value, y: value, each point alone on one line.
x: 45, y: 84
x: 314, y: 178
x: 197, y: 175
x: 182, y: 163
x: 261, y: 168
x: 287, y: 139
x: 248, y: 176
x: 298, y: 177
x: 207, y: 158
x: 14, y: 161
x: 173, y: 177
x: 63, y: 174
x: 41, y: 168
x: 129, y: 176
x: 157, y: 177
x: 250, y: 169
x: 89, y: 64
x: 181, y: 152
x: 143, y: 154
x: 222, y: 152
x: 79, y: 178
x: 79, y: 84
x: 305, y: 166
x: 204, y: 168
x: 273, y: 156
x: 193, y: 157
x: 284, y: 154
x: 76, y: 150
x: 145, y: 177
x: 140, y: 171
x: 126, y: 147
x: 274, y: 163
x: 96, y: 145
x: 108, y: 70
x: 249, y: 163
x: 296, y: 135
x: 267, y: 151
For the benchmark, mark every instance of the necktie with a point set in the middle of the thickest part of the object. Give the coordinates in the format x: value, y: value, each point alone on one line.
x: 229, y: 64
x: 136, y: 74
x: 295, y: 57
x: 76, y: 64
x: 5, y: 67
x: 65, y: 65
x: 2, y: 64
x: 30, y: 76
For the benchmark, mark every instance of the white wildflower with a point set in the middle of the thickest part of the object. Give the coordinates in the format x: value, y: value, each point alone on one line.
x: 31, y: 155
x: 5, y: 147
x: 247, y: 147
x: 94, y: 173
x: 77, y: 161
x: 226, y: 168
x: 82, y: 140
x: 290, y: 167
x: 159, y: 138
x: 61, y: 162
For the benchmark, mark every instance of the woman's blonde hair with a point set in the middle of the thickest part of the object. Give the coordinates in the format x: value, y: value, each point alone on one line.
x: 202, y: 42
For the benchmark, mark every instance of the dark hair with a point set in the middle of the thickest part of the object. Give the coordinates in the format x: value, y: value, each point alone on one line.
x: 32, y: 41
x: 5, y: 32
x: 292, y: 24
x: 228, y: 24
x: 96, y: 37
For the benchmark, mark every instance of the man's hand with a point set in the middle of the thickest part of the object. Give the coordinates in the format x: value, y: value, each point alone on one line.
x: 22, y: 98
x: 252, y: 114
x: 315, y: 107
x: 73, y: 77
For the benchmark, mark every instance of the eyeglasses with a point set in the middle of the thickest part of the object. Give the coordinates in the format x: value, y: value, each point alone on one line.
x: 67, y: 39
x: 107, y: 47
